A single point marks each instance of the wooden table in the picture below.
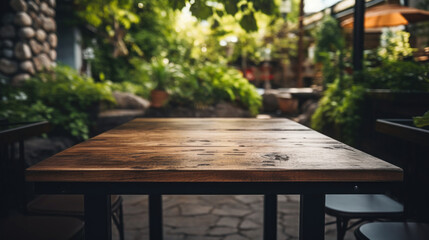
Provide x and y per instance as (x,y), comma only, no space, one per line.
(212,156)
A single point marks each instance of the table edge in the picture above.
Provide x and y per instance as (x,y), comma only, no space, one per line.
(341,175)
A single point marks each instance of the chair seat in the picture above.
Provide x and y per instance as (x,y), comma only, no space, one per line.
(41,228)
(62,205)
(393,231)
(362,205)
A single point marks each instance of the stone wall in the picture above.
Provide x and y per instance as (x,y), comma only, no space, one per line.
(27,39)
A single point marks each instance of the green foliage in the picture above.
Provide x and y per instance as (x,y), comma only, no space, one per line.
(131,87)
(340,110)
(330,45)
(166,48)
(67,99)
(231,7)
(397,75)
(422,121)
(199,85)
(200,10)
(209,83)
(395,45)
(160,72)
(107,12)
(242,11)
(248,22)
(329,37)
(15,106)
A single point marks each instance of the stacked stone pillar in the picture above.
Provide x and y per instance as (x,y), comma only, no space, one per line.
(27,39)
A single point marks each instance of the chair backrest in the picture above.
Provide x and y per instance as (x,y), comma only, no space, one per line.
(13,187)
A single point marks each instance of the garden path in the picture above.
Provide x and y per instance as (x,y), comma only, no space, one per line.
(217,217)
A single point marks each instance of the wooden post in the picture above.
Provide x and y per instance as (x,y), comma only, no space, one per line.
(300,82)
(358,34)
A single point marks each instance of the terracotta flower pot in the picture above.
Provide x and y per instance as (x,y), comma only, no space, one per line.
(287,104)
(158,98)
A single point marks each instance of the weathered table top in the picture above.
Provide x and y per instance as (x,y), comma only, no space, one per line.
(212,150)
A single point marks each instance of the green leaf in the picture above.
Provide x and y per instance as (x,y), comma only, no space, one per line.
(422,121)
(200,10)
(219,13)
(231,7)
(248,22)
(215,24)
(266,6)
(244,7)
(177,4)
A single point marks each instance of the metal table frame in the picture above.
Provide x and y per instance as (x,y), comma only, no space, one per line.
(312,214)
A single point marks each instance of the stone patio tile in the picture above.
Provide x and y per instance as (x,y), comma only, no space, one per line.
(174,236)
(290,220)
(228,221)
(167,204)
(280,234)
(135,235)
(203,220)
(201,230)
(218,199)
(223,217)
(291,225)
(171,212)
(293,198)
(256,216)
(194,209)
(288,207)
(257,206)
(131,199)
(134,208)
(231,212)
(221,231)
(183,198)
(252,234)
(249,198)
(202,238)
(248,224)
(235,237)
(282,198)
(135,222)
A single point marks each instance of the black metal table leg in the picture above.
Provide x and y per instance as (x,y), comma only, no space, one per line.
(312,217)
(155,217)
(98,216)
(270,216)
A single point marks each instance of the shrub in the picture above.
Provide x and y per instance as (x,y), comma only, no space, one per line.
(397,75)
(71,100)
(197,85)
(15,106)
(211,83)
(340,110)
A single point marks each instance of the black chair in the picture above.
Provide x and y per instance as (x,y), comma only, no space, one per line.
(13,224)
(73,206)
(393,231)
(364,207)
(20,227)
(49,205)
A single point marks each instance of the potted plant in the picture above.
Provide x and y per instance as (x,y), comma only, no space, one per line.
(161,75)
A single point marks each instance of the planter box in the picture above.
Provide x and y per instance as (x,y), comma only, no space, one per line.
(403,129)
(389,104)
(386,104)
(414,144)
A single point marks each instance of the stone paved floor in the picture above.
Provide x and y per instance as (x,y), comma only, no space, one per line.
(219,217)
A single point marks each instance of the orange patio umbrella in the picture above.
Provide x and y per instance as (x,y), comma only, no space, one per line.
(389,15)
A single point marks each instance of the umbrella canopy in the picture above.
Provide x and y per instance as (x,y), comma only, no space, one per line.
(389,15)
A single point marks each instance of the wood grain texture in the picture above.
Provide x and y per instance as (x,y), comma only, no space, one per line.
(212,150)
